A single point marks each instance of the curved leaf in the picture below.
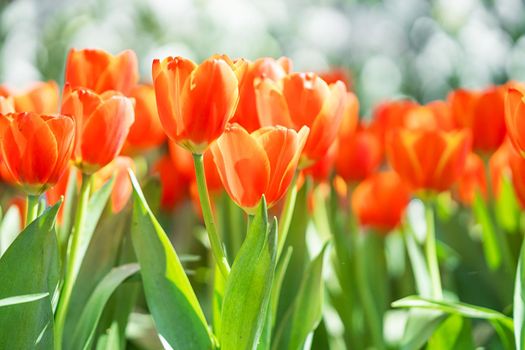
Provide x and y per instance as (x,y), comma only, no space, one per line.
(21,299)
(170,297)
(87,324)
(30,266)
(519,301)
(249,285)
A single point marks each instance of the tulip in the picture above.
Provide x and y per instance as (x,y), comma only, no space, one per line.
(517,166)
(146,132)
(435,115)
(390,197)
(473,179)
(41,98)
(257,164)
(266,67)
(102,123)
(7,105)
(358,155)
(36,148)
(174,186)
(483,113)
(390,115)
(100,71)
(515,118)
(321,170)
(196,102)
(336,74)
(429,159)
(303,99)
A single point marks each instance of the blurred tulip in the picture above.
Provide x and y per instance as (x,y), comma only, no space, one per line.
(196,102)
(122,188)
(304,99)
(36,148)
(7,105)
(320,171)
(146,132)
(174,184)
(433,116)
(389,115)
(515,118)
(379,202)
(517,166)
(483,112)
(429,159)
(358,155)
(266,67)
(102,125)
(473,179)
(101,71)
(41,98)
(263,162)
(336,74)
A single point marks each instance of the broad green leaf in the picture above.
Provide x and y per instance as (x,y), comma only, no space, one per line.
(170,297)
(418,264)
(9,228)
(491,245)
(454,333)
(457,308)
(420,326)
(519,301)
(21,299)
(219,285)
(85,328)
(249,285)
(30,266)
(306,313)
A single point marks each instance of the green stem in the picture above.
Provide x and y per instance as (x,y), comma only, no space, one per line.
(73,261)
(365,292)
(431,252)
(32,208)
(215,242)
(286,215)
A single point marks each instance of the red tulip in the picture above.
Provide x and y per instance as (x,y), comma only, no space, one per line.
(102,123)
(380,201)
(256,164)
(473,179)
(303,99)
(196,102)
(36,148)
(100,71)
(266,67)
(429,159)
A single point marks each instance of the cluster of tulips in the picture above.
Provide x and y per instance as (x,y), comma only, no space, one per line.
(331,254)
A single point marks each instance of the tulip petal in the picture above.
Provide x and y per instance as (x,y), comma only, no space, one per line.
(243,166)
(271,104)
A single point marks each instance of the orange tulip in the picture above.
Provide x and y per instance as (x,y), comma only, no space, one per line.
(379,202)
(146,132)
(517,166)
(429,159)
(41,98)
(483,113)
(473,179)
(36,148)
(515,118)
(321,170)
(196,102)
(102,123)
(122,188)
(100,71)
(263,162)
(435,115)
(174,184)
(303,99)
(390,115)
(7,105)
(358,155)
(266,67)
(336,74)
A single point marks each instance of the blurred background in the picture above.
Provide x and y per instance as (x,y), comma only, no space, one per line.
(391,48)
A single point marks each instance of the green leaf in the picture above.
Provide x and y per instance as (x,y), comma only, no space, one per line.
(249,285)
(418,263)
(9,228)
(420,326)
(519,301)
(219,284)
(457,308)
(87,324)
(491,245)
(454,333)
(306,313)
(170,297)
(21,299)
(30,266)
(507,208)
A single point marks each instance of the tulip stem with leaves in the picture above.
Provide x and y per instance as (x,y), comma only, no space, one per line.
(211,228)
(32,208)
(74,260)
(431,252)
